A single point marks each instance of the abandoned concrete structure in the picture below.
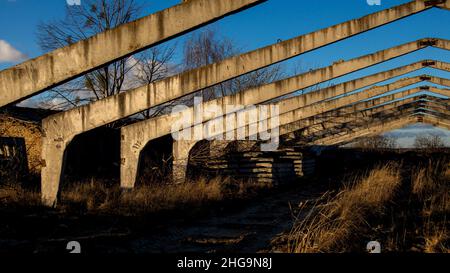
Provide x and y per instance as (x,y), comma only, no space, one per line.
(328,116)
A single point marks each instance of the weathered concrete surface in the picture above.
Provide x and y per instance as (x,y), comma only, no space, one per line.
(144,131)
(181,151)
(61,65)
(355,127)
(140,99)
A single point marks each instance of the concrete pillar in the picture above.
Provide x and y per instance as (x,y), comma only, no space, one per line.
(181,149)
(129,163)
(53,160)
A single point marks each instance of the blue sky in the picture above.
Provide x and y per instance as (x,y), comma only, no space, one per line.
(264,25)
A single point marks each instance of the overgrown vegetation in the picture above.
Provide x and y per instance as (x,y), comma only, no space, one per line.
(403,211)
(333,221)
(98,197)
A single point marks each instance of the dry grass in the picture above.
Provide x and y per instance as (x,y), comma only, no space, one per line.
(431,188)
(97,197)
(402,216)
(17,195)
(328,226)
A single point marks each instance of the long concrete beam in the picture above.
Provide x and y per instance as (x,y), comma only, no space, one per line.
(439,121)
(110,109)
(428,119)
(312,110)
(183,147)
(374,129)
(64,64)
(389,87)
(443,104)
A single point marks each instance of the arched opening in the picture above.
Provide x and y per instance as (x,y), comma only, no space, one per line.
(155,162)
(94,154)
(199,156)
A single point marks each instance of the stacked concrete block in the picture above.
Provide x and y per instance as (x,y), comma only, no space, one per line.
(271,168)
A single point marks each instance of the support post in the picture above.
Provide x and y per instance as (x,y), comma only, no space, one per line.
(181,149)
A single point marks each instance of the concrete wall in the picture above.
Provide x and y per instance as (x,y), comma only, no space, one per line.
(66,63)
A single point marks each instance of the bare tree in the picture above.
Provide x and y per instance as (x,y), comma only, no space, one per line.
(84,21)
(207,47)
(376,142)
(428,142)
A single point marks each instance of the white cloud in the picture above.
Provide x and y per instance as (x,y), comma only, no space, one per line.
(9,53)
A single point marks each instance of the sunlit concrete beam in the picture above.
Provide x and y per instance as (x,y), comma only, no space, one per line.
(63,64)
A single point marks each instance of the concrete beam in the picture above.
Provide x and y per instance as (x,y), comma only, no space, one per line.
(64,64)
(137,100)
(335,113)
(436,121)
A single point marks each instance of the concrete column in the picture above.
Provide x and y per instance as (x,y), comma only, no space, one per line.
(181,149)
(53,160)
(129,162)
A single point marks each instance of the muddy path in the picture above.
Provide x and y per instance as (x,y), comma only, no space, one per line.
(247,230)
